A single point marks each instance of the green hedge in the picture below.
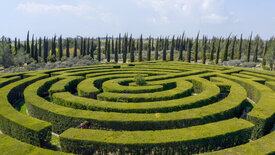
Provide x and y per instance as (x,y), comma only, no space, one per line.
(270,84)
(183,88)
(12,146)
(264,145)
(67,84)
(208,94)
(16,124)
(195,139)
(63,118)
(263,114)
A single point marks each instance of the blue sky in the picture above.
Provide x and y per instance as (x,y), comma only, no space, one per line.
(149,17)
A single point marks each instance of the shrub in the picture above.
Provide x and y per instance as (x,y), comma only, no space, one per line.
(139,79)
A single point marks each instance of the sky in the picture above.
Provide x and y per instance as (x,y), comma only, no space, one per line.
(92,18)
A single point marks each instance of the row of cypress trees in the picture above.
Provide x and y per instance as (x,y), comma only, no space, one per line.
(209,49)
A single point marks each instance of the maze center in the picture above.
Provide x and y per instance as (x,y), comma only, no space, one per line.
(181,108)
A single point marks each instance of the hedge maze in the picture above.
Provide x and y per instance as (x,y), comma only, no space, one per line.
(182,109)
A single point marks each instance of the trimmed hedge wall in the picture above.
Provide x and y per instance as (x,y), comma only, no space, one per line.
(12,146)
(211,136)
(17,125)
(208,94)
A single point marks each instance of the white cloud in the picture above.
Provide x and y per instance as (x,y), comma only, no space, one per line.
(85,11)
(206,11)
(36,8)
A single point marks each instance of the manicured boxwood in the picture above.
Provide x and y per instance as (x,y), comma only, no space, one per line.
(195,139)
(63,118)
(208,93)
(270,84)
(12,146)
(263,114)
(66,84)
(183,88)
(16,124)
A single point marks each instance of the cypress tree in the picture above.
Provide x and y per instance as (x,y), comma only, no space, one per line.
(204,44)
(157,50)
(264,53)
(75,47)
(172,49)
(46,50)
(125,41)
(189,47)
(116,51)
(196,48)
(149,49)
(108,50)
(28,42)
(40,47)
(99,49)
(15,45)
(54,46)
(68,48)
(113,48)
(255,57)
(88,46)
(132,54)
(84,46)
(181,47)
(140,49)
(92,49)
(164,49)
(233,48)
(212,49)
(36,51)
(32,47)
(19,44)
(249,49)
(106,44)
(225,53)
(240,47)
(81,46)
(60,49)
(119,44)
(218,51)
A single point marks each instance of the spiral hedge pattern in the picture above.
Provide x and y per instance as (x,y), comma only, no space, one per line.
(183,109)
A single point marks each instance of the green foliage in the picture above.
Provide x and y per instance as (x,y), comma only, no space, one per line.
(139,79)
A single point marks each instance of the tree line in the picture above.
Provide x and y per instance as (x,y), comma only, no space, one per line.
(200,49)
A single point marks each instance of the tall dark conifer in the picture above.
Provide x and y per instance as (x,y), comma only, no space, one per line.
(36,51)
(119,44)
(98,49)
(32,47)
(113,48)
(54,46)
(218,51)
(255,57)
(108,50)
(189,48)
(196,48)
(212,49)
(204,44)
(181,46)
(164,49)
(67,48)
(125,45)
(149,49)
(233,48)
(40,47)
(240,47)
(157,50)
(60,49)
(140,49)
(226,46)
(19,44)
(15,45)
(116,51)
(75,47)
(131,50)
(172,49)
(248,51)
(88,47)
(92,48)
(84,46)
(28,42)
(264,53)
(46,49)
